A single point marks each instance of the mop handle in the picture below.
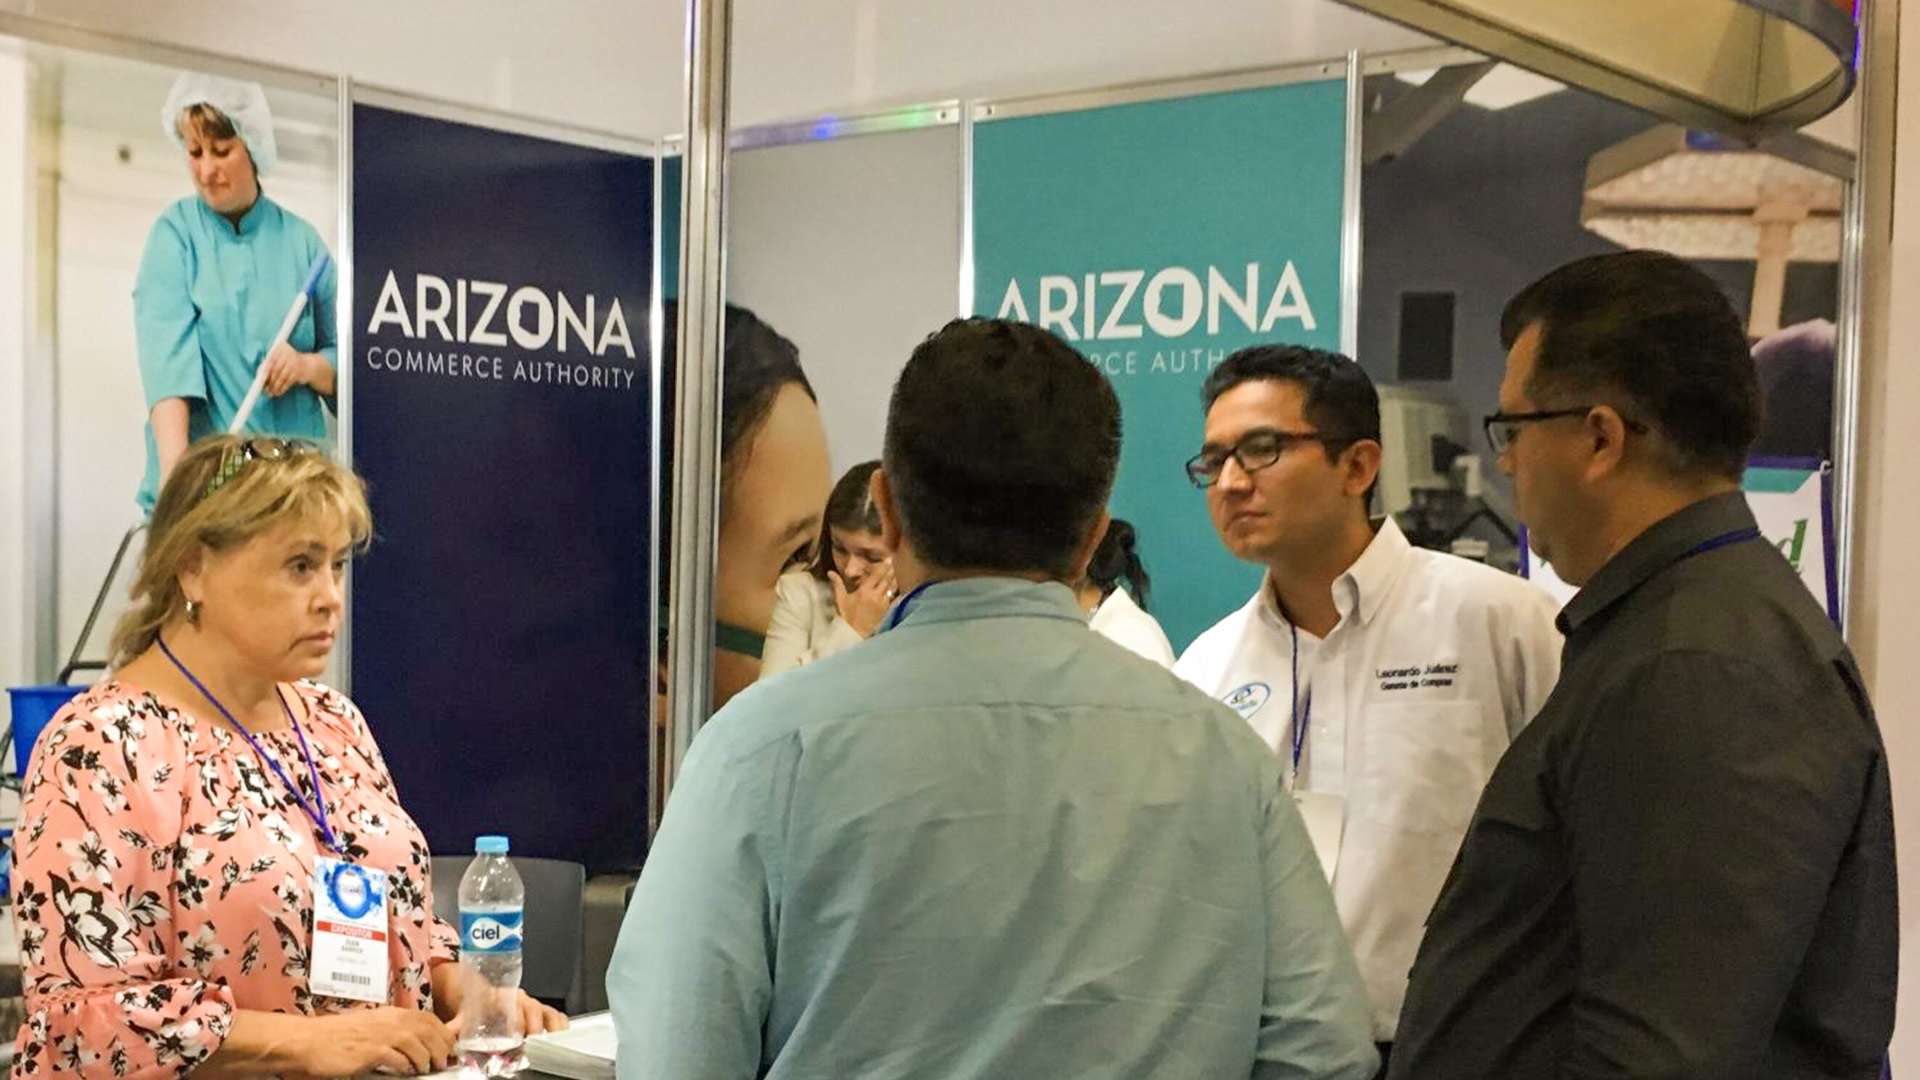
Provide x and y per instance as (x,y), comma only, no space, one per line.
(286,331)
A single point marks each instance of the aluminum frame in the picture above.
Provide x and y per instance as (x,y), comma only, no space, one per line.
(1849,356)
(963,112)
(1350,207)
(656,341)
(101,43)
(500,120)
(965,297)
(828,128)
(1845,438)
(698,373)
(1012,108)
(342,660)
(41,339)
(1220,82)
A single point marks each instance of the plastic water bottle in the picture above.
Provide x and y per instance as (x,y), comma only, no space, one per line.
(492,900)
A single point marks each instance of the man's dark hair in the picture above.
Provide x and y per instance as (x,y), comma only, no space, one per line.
(1653,336)
(1339,398)
(1001,447)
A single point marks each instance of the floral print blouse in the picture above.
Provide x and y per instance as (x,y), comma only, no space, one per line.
(164,879)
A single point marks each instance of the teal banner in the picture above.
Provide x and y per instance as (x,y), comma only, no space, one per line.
(1158,238)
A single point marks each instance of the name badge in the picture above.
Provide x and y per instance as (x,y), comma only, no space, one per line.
(349,932)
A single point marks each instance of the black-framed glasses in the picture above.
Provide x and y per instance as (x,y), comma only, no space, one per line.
(256,449)
(1255,451)
(1502,427)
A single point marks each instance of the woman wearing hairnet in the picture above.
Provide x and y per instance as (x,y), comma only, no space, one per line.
(221,269)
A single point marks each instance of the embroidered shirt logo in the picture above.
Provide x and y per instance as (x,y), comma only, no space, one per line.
(1248,699)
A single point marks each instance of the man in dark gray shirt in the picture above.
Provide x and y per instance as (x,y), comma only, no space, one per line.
(1684,867)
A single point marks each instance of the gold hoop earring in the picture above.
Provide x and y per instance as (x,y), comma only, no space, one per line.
(193,613)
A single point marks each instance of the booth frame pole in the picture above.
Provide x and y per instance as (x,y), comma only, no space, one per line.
(1350,208)
(41,344)
(1851,343)
(342,660)
(699,371)
(1846,439)
(656,340)
(965,294)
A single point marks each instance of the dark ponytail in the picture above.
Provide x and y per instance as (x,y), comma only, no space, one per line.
(1116,560)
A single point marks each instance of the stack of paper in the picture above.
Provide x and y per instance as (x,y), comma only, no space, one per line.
(582,1052)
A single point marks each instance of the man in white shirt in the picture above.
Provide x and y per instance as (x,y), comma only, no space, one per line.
(1388,678)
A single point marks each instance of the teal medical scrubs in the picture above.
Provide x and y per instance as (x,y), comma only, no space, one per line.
(208,301)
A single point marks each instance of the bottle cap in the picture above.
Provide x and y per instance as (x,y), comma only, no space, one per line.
(489,845)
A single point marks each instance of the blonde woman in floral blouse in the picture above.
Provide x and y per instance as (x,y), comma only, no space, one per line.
(182,818)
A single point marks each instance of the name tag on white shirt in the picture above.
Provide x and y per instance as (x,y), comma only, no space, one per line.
(349,932)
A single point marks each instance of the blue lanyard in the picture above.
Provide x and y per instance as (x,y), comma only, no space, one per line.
(317,810)
(1737,536)
(899,610)
(1302,710)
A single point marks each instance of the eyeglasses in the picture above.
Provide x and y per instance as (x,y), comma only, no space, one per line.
(1255,451)
(255,450)
(1503,427)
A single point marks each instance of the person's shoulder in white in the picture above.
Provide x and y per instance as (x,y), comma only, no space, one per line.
(1203,660)
(801,590)
(1121,619)
(914,671)
(1460,585)
(801,627)
(1465,588)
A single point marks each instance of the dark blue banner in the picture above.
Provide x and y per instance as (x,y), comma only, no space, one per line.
(502,419)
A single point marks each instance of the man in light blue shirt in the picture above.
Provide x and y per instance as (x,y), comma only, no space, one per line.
(987,843)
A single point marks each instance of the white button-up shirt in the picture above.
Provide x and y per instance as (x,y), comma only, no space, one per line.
(1436,664)
(1120,619)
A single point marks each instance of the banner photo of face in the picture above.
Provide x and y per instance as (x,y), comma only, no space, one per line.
(1158,238)
(502,417)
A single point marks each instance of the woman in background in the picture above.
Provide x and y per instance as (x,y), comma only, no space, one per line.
(220,270)
(837,601)
(182,820)
(1118,616)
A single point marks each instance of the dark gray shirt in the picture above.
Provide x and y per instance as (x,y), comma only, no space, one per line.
(1684,867)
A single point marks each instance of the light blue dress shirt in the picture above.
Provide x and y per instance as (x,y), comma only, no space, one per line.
(206,305)
(989,843)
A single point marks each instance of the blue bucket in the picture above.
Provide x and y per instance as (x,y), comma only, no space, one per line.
(33,708)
